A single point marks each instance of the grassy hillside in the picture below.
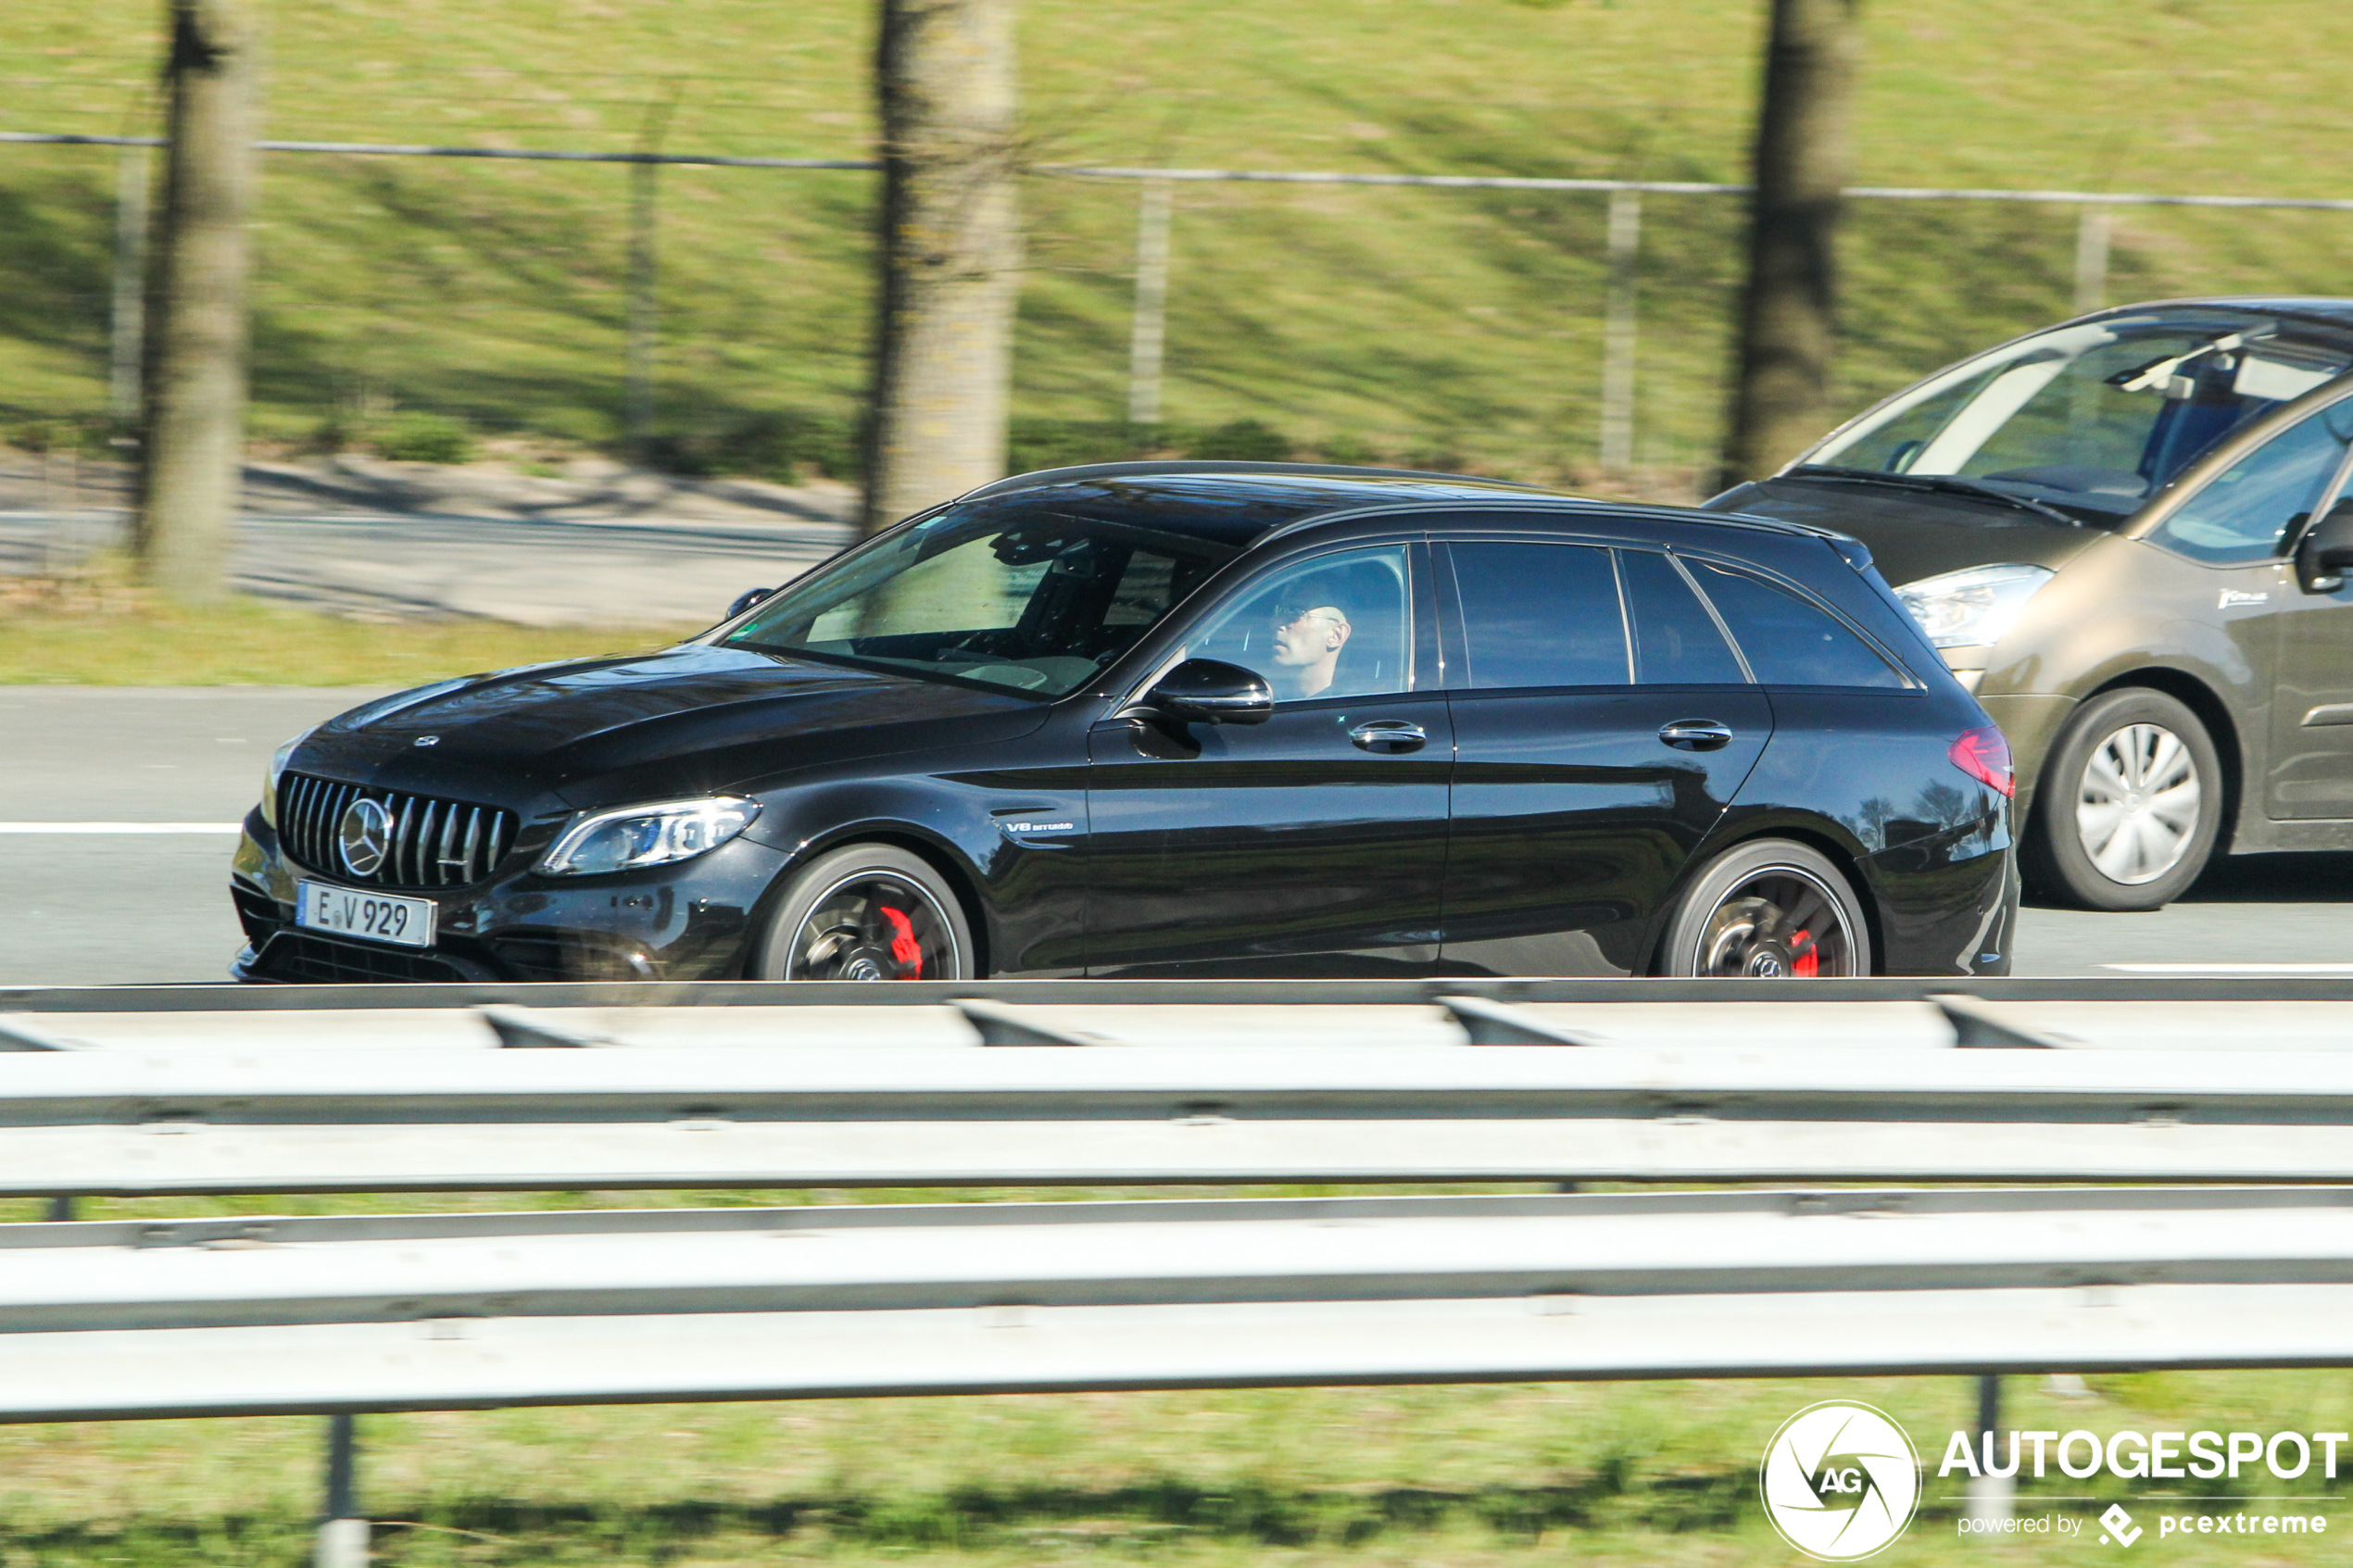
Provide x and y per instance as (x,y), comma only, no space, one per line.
(1456,326)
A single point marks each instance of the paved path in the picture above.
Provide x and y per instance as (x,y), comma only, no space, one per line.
(390,540)
(110,907)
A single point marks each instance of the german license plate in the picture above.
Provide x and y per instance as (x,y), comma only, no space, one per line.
(377,917)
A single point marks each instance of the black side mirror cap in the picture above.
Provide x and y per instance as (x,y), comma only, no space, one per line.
(2325,553)
(1210,691)
(745,601)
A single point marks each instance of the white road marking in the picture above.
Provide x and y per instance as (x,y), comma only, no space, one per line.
(119,827)
(2232,968)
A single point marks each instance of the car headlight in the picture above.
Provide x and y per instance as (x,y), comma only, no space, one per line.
(278,761)
(1959,609)
(647,835)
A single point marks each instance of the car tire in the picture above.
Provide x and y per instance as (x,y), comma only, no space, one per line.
(867,911)
(1735,919)
(2111,827)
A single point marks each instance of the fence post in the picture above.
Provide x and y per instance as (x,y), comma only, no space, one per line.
(645,193)
(2091,259)
(1148,326)
(1989,1496)
(342,1532)
(129,327)
(1617,332)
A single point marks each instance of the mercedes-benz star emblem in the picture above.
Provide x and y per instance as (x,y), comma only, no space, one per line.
(363,836)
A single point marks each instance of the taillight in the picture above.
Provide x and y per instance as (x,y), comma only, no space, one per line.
(1984,756)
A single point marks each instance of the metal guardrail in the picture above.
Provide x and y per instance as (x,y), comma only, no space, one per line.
(223,1317)
(203,1089)
(839,1097)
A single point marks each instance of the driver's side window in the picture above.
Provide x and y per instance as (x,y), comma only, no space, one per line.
(1331,626)
(2245,512)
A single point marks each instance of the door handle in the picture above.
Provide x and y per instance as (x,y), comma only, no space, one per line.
(1696,734)
(1388,735)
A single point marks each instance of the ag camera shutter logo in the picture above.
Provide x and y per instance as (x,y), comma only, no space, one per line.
(1840,1481)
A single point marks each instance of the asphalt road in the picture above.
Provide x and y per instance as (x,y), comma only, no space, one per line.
(87,898)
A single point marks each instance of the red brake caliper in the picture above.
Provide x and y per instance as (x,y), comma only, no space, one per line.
(908,953)
(1804,957)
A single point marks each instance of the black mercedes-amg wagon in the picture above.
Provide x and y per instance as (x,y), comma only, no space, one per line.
(1185,720)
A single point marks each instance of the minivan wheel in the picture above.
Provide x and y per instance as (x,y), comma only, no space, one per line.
(1767,909)
(865,912)
(2129,804)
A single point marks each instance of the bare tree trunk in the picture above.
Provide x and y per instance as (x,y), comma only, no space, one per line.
(949,252)
(1780,396)
(196,359)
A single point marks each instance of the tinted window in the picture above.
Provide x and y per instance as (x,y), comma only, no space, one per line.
(2244,510)
(1675,641)
(1540,615)
(1030,601)
(1330,626)
(1788,641)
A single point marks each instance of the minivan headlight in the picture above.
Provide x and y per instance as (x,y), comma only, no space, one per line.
(1959,609)
(631,836)
(276,771)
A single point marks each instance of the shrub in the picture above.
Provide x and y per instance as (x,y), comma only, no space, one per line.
(425,438)
(782,445)
(1059,444)
(1244,441)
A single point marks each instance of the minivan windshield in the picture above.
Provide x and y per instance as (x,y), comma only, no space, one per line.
(1029,601)
(2093,418)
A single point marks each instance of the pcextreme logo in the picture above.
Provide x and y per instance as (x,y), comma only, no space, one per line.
(1840,1481)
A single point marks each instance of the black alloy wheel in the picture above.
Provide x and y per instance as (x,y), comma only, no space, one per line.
(867,913)
(1769,910)
(2128,805)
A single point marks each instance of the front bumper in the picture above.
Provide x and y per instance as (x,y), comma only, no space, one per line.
(692,921)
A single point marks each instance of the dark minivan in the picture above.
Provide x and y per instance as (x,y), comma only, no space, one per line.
(1186,720)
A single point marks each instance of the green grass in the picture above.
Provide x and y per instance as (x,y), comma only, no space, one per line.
(1648,1473)
(1408,324)
(113,637)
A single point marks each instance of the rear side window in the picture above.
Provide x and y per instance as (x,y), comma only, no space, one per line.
(1677,643)
(1790,642)
(1540,615)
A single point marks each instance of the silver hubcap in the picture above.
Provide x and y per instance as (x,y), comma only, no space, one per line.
(2137,808)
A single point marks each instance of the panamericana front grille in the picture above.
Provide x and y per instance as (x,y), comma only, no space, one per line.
(431,842)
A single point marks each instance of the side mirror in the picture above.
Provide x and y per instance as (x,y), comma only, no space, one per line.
(1210,691)
(2325,553)
(745,601)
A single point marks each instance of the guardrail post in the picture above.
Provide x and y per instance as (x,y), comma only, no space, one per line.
(342,1532)
(1989,1496)
(60,1210)
(1148,329)
(1618,333)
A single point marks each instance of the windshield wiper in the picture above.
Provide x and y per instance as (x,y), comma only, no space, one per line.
(1950,484)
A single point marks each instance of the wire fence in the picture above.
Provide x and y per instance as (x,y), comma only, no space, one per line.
(1616,375)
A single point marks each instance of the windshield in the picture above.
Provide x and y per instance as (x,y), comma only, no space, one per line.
(1032,601)
(2093,418)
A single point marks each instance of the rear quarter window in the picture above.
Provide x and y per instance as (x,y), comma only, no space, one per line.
(1790,640)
